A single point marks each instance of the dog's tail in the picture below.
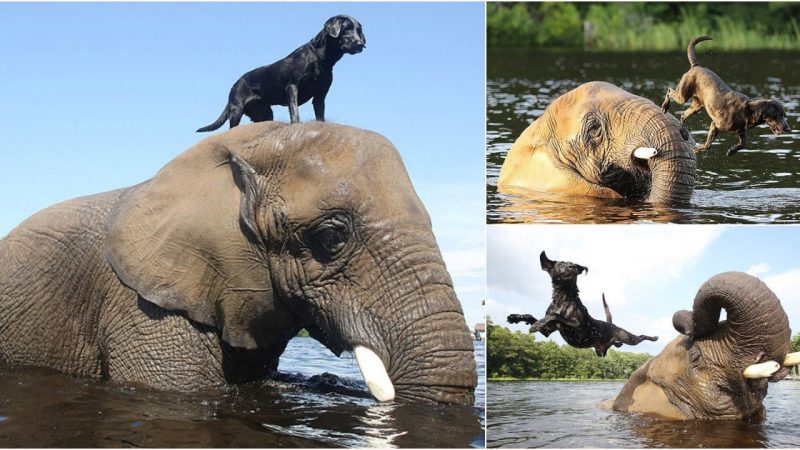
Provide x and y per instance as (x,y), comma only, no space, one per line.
(217,123)
(608,312)
(690,50)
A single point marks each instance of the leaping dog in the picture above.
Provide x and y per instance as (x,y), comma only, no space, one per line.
(729,110)
(568,314)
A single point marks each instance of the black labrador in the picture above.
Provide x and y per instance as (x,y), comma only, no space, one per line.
(306,73)
(729,110)
(568,314)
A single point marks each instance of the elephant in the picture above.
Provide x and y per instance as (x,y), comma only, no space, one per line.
(200,276)
(705,373)
(598,140)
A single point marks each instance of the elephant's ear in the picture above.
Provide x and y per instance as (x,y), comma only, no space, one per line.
(187,240)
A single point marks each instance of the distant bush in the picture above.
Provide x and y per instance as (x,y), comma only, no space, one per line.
(509,25)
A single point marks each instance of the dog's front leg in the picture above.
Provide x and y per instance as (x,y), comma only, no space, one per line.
(319,97)
(319,108)
(739,145)
(291,101)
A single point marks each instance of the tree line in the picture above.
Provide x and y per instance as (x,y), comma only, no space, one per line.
(643,26)
(518,355)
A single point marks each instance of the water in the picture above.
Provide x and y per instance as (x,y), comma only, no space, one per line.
(566,415)
(44,409)
(760,184)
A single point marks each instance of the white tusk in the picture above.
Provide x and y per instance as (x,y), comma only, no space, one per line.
(374,373)
(792,359)
(762,370)
(645,152)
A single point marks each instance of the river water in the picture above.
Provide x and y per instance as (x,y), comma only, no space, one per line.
(566,415)
(760,184)
(45,409)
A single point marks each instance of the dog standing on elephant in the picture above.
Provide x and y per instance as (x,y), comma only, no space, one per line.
(729,110)
(306,73)
(569,315)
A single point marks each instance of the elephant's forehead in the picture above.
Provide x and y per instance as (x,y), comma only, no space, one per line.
(362,172)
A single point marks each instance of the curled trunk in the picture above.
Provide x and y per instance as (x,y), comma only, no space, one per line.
(756,321)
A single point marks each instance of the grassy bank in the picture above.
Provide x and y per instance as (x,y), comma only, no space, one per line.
(644,26)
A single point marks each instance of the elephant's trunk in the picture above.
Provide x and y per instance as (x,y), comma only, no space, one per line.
(435,356)
(756,321)
(674,168)
(410,338)
(440,363)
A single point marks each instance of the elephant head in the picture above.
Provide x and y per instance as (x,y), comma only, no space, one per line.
(601,141)
(268,228)
(699,375)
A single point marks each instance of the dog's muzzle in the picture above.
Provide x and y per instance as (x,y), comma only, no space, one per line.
(778,128)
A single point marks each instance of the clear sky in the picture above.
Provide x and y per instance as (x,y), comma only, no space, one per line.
(99,96)
(647,272)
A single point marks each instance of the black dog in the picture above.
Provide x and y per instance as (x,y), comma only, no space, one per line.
(729,110)
(307,72)
(568,315)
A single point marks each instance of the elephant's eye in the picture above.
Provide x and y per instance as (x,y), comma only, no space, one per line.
(593,130)
(330,238)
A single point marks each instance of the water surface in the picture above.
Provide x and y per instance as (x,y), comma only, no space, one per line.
(566,415)
(760,184)
(44,409)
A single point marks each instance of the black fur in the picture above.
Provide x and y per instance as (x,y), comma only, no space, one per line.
(568,315)
(306,73)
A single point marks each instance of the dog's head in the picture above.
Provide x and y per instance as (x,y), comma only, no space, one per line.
(562,272)
(347,32)
(601,348)
(773,114)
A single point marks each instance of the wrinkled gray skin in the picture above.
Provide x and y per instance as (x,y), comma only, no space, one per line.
(699,374)
(201,275)
(584,142)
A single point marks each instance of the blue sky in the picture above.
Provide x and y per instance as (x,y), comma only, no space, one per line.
(647,272)
(99,96)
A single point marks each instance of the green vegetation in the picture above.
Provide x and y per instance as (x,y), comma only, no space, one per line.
(627,26)
(796,343)
(303,333)
(517,356)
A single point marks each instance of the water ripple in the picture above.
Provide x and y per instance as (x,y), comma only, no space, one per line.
(760,184)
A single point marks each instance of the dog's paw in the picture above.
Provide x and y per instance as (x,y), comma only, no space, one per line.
(732,151)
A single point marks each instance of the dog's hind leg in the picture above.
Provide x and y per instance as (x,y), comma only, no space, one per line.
(665,104)
(258,111)
(235,116)
(622,336)
(712,134)
(291,101)
(738,146)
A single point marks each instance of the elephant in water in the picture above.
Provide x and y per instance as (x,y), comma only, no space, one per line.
(601,141)
(201,275)
(715,370)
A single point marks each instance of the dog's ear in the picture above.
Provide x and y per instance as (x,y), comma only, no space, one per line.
(547,265)
(772,108)
(333,26)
